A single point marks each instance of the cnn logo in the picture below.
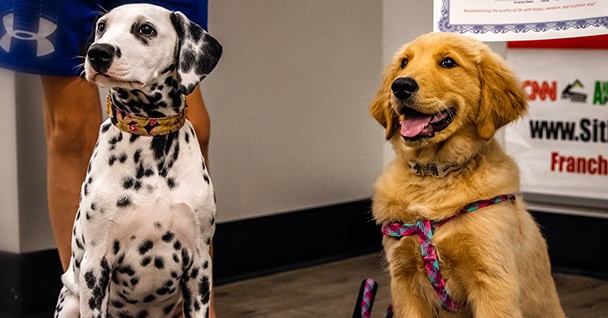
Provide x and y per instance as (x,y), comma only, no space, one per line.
(543,90)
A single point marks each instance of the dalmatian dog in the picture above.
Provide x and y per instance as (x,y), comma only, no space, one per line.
(142,233)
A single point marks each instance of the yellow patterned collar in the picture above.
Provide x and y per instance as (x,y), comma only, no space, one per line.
(145,126)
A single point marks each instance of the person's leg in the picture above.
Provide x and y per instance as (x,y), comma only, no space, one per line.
(72,117)
(199,117)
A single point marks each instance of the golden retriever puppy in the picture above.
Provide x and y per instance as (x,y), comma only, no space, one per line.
(441,101)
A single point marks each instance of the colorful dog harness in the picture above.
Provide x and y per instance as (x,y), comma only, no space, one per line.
(143,125)
(424,230)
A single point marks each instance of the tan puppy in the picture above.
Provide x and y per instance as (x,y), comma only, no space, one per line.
(441,101)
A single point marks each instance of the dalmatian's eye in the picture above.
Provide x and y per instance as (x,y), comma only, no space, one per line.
(101,26)
(147,29)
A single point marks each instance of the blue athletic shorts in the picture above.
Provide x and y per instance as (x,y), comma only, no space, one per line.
(48,37)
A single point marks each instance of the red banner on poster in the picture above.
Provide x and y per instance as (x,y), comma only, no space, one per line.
(598,42)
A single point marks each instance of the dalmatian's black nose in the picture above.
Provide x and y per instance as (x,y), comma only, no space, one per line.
(101,56)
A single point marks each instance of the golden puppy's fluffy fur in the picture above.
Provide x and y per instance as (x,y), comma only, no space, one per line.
(494,259)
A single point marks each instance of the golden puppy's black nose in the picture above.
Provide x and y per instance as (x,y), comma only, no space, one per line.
(404,87)
(101,56)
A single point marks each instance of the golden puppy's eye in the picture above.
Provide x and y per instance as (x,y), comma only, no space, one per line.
(404,62)
(448,62)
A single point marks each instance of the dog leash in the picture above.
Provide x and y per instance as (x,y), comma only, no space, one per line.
(424,229)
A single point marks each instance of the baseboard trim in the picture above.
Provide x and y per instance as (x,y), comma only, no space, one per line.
(29,283)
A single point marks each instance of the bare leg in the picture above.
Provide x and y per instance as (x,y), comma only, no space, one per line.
(72,117)
(199,118)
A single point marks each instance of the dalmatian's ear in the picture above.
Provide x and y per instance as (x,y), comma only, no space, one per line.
(197,52)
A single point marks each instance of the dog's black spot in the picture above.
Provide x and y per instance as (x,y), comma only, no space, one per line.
(145,246)
(116,247)
(187,60)
(128,183)
(146,260)
(168,309)
(93,206)
(175,258)
(89,278)
(121,258)
(149,298)
(213,51)
(206,265)
(116,139)
(118,52)
(126,270)
(112,160)
(185,257)
(177,245)
(159,262)
(142,314)
(171,183)
(123,202)
(105,127)
(133,138)
(187,137)
(122,158)
(134,281)
(137,185)
(117,304)
(206,177)
(196,32)
(203,289)
(194,273)
(158,225)
(168,237)
(79,244)
(137,155)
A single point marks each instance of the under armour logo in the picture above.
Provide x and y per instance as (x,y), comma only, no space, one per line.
(45,29)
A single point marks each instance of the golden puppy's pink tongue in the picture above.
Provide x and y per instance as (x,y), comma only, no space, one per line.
(414,124)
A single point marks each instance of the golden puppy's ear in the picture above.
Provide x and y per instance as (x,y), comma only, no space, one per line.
(502,95)
(381,107)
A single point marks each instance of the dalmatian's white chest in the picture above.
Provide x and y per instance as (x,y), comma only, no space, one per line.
(148,207)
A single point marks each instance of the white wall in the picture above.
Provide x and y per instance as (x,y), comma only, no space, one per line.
(9,211)
(289,104)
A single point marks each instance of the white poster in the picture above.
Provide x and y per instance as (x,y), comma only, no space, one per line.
(512,20)
(561,147)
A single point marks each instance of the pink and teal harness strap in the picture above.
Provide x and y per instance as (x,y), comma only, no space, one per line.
(424,229)
(365,301)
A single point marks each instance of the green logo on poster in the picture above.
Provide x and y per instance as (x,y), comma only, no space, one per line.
(600,94)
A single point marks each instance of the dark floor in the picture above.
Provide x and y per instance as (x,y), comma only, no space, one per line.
(330,290)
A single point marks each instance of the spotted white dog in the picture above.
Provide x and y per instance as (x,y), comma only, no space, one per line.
(141,238)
